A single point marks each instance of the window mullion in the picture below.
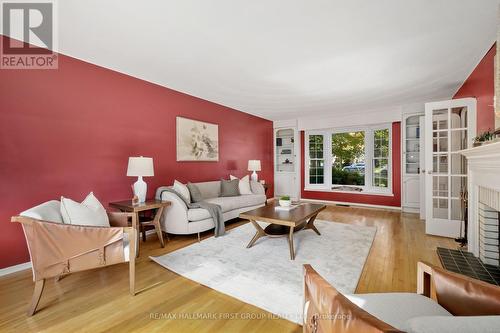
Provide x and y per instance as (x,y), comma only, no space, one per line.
(327,154)
(369,144)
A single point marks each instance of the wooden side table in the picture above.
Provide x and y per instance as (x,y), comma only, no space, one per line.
(127,206)
(266,187)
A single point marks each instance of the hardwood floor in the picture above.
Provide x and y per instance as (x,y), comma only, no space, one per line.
(98,301)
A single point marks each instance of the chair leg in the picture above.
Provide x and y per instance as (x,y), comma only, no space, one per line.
(131,266)
(37,294)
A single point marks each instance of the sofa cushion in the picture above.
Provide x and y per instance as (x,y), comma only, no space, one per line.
(194,192)
(89,212)
(397,308)
(257,187)
(230,203)
(227,204)
(182,190)
(197,214)
(229,188)
(243,184)
(455,324)
(209,189)
(48,211)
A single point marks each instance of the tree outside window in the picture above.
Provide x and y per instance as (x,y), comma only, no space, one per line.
(348,158)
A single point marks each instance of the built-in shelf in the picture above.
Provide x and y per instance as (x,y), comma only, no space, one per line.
(286,139)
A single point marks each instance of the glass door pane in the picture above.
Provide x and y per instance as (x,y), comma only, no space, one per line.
(449,168)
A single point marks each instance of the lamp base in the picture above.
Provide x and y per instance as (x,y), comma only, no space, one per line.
(254,176)
(140,189)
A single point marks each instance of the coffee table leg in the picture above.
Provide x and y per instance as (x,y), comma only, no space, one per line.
(290,244)
(260,232)
(310,224)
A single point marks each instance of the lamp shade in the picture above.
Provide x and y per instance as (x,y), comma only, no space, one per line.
(140,167)
(254,165)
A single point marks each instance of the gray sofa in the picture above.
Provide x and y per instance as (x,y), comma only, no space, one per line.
(178,219)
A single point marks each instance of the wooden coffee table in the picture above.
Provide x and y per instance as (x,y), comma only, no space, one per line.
(283,222)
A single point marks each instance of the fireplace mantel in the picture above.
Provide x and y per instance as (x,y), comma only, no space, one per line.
(483,165)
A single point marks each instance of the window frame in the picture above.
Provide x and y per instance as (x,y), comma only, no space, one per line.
(307,160)
(368,188)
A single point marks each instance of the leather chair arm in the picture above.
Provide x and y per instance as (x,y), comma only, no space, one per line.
(327,310)
(459,294)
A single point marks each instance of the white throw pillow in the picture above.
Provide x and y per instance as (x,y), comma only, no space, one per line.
(182,190)
(89,212)
(243,185)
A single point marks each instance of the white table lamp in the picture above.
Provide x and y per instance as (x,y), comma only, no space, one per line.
(254,165)
(140,167)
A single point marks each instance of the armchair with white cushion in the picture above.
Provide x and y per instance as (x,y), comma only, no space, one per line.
(444,302)
(57,248)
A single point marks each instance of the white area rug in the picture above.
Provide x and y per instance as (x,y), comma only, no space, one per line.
(264,275)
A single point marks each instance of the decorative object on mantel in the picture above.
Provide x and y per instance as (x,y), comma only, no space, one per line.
(197,140)
(254,165)
(484,138)
(140,167)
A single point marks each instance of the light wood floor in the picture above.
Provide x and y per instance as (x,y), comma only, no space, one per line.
(98,301)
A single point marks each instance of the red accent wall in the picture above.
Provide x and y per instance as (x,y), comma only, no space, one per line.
(481,85)
(363,198)
(70,131)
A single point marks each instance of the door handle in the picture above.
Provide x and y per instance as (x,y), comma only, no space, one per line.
(429,172)
(422,171)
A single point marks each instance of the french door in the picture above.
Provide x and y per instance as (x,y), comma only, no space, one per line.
(450,126)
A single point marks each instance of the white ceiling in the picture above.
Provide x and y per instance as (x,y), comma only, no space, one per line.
(282,59)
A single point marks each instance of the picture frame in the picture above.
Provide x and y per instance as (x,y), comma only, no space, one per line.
(196,140)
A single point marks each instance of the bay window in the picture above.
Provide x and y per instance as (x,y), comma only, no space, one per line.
(353,159)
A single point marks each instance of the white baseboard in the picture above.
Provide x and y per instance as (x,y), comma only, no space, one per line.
(15,268)
(411,210)
(328,202)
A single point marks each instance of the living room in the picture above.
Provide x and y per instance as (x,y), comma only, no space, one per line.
(323,166)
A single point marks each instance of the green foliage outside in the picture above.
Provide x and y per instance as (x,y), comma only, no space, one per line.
(342,177)
(348,148)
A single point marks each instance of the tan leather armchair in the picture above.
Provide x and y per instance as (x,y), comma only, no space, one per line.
(58,249)
(327,310)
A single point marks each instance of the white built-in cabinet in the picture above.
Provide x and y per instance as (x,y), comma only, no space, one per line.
(286,162)
(412,144)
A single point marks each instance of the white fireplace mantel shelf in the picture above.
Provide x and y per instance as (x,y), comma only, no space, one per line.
(491,150)
(483,164)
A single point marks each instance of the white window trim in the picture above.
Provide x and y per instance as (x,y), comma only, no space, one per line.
(325,157)
(327,148)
